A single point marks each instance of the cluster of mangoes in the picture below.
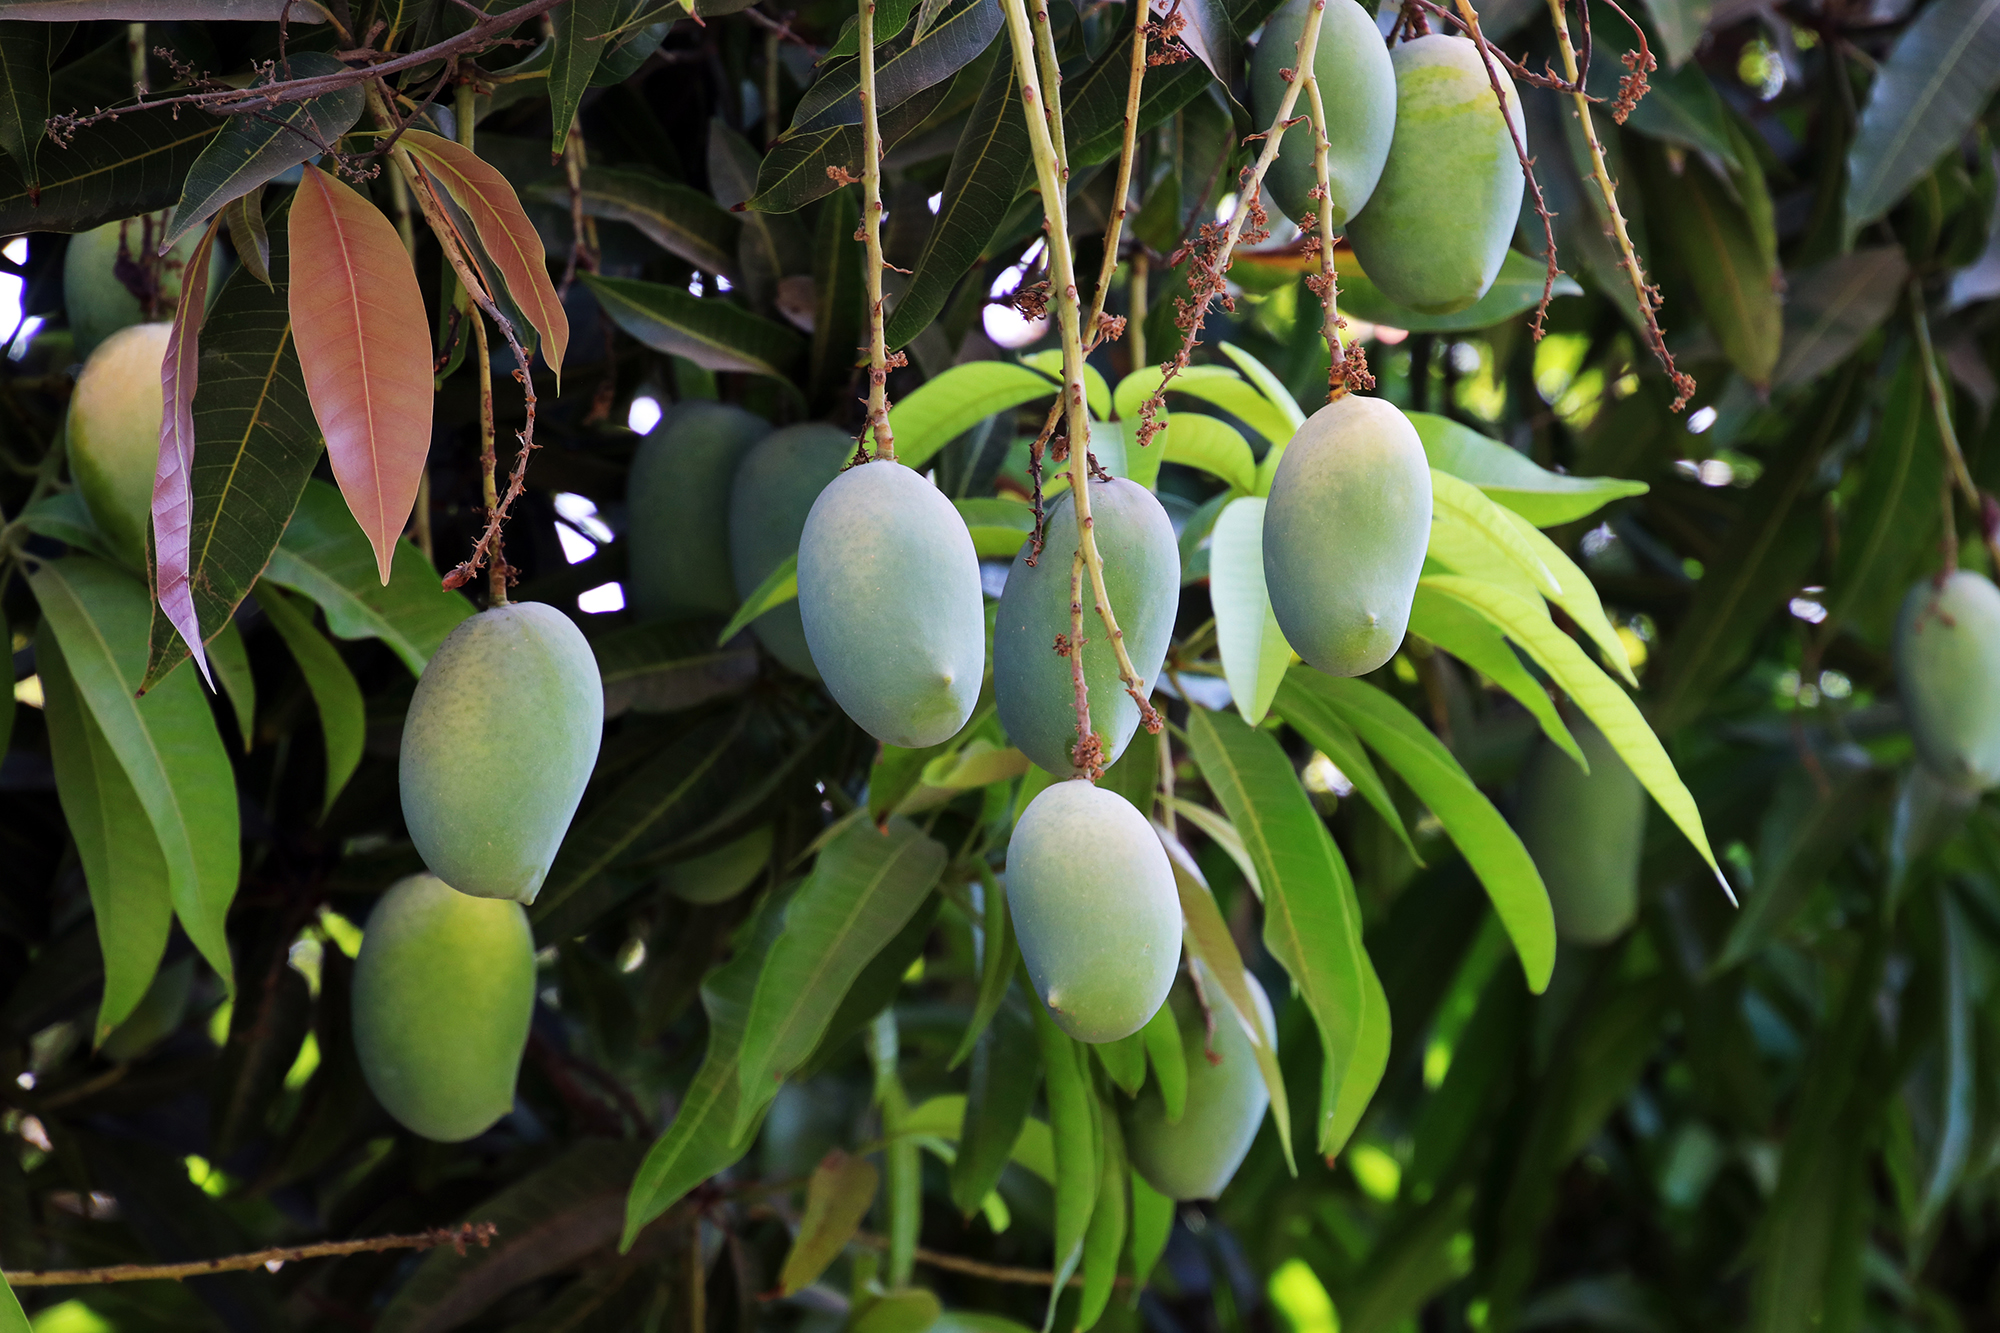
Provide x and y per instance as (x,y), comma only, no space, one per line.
(1423,172)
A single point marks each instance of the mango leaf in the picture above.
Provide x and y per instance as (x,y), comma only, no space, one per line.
(1517,289)
(839,297)
(903,68)
(891,17)
(1006,1069)
(325,556)
(579,28)
(1124,1062)
(1682,107)
(1255,655)
(1802,833)
(343,719)
(164,11)
(1724,251)
(505,234)
(1490,847)
(1073,1125)
(231,660)
(1094,103)
(173,488)
(1600,697)
(25,53)
(1370,1062)
(678,218)
(111,170)
(794,170)
(998,957)
(781,585)
(1467,635)
(1546,499)
(943,408)
(1168,1057)
(1312,923)
(1832,306)
(1209,940)
(1217,386)
(998,527)
(1334,739)
(1939,76)
(365,351)
(838,1196)
(249,235)
(769,246)
(865,884)
(1459,504)
(1893,523)
(666,666)
(701,1140)
(1152,1225)
(1576,595)
(1267,384)
(1104,1240)
(714,333)
(987,170)
(253,148)
(123,867)
(166,742)
(1211,444)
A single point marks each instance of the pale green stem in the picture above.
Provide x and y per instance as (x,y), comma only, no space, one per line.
(1336,346)
(871,227)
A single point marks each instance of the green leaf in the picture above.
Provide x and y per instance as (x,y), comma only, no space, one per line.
(1267,384)
(839,297)
(123,867)
(1254,653)
(988,168)
(579,24)
(1312,923)
(1209,940)
(1939,76)
(998,957)
(667,666)
(778,587)
(702,1139)
(1124,1062)
(111,170)
(1094,102)
(1546,499)
(1516,290)
(946,406)
(864,886)
(343,718)
(1721,246)
(25,52)
(1216,447)
(166,741)
(714,333)
(903,68)
(1576,595)
(678,218)
(1681,107)
(891,17)
(794,171)
(325,556)
(1892,527)
(1832,306)
(1073,1124)
(1152,1225)
(838,1196)
(1096,393)
(998,526)
(1162,1035)
(1490,847)
(769,246)
(1211,384)
(252,149)
(1469,637)
(1006,1069)
(255,445)
(231,661)
(1104,1240)
(1600,697)
(1218,830)
(1804,830)
(1459,504)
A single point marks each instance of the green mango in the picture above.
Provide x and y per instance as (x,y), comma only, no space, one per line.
(677,507)
(1435,231)
(1142,573)
(1948,673)
(444,988)
(97,300)
(1345,532)
(500,739)
(890,600)
(719,875)
(1092,897)
(1195,1157)
(1357,85)
(774,490)
(1585,832)
(114,436)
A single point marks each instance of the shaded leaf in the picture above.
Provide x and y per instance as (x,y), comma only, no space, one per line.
(364,350)
(1073,1126)
(579,24)
(997,961)
(714,333)
(164,11)
(668,666)
(25,53)
(231,660)
(903,67)
(173,485)
(1162,1035)
(1719,245)
(111,170)
(1831,307)
(678,218)
(248,234)
(1006,1069)
(1892,527)
(1104,1241)
(795,166)
(838,1196)
(342,717)
(769,246)
(1546,499)
(839,297)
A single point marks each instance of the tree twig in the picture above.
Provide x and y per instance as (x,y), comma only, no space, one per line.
(1342,375)
(480,1233)
(1959,475)
(871,235)
(1027,1277)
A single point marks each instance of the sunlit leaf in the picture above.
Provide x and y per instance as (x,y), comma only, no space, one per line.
(1253,648)
(1546,499)
(947,405)
(1461,505)
(1577,595)
(780,586)
(1474,641)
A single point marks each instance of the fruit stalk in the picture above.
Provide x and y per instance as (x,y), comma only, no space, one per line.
(871,230)
(1628,256)
(1208,281)
(1043,109)
(1337,383)
(1960,476)
(1094,328)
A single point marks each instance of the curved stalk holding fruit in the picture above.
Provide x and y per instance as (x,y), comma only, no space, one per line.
(1342,377)
(879,360)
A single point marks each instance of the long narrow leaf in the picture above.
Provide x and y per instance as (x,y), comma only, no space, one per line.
(173,478)
(343,717)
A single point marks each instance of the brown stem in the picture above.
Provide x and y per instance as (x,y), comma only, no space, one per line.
(480,1233)
(489,462)
(1027,1277)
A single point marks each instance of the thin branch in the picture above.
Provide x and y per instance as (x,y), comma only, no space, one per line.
(1095,329)
(1343,375)
(480,1233)
(871,234)
(1959,475)
(1027,1277)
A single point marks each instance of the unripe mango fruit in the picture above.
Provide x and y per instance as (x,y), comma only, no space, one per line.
(1948,673)
(775,488)
(677,503)
(1095,910)
(1196,1156)
(444,988)
(114,436)
(890,600)
(1435,231)
(500,739)
(1345,532)
(96,299)
(1357,85)
(1585,832)
(1142,574)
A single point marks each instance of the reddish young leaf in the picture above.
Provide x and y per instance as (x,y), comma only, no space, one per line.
(504,230)
(365,351)
(173,489)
